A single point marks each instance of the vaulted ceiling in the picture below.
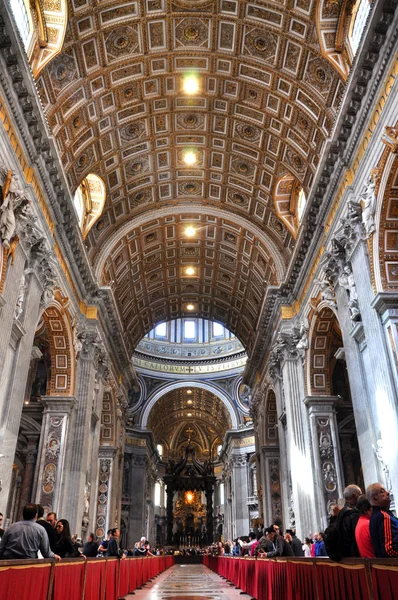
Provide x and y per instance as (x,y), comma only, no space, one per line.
(266,103)
(199,414)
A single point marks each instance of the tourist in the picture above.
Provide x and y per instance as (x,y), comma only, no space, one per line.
(52,536)
(113,545)
(347,521)
(104,544)
(307,547)
(64,545)
(320,548)
(383,524)
(362,530)
(90,548)
(296,543)
(52,519)
(1,525)
(26,538)
(279,546)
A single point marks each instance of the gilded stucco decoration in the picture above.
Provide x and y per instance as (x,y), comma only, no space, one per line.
(266,103)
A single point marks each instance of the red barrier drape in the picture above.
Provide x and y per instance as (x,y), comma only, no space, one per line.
(111,579)
(69,580)
(124,578)
(16,582)
(385,582)
(342,581)
(95,579)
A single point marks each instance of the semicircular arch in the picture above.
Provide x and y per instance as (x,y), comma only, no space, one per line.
(168,387)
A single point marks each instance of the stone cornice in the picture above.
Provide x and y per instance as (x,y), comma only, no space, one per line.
(367,73)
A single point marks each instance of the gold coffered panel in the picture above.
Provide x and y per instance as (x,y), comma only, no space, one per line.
(265,105)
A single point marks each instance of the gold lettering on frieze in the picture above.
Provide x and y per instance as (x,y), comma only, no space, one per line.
(133,441)
(247,441)
(181,369)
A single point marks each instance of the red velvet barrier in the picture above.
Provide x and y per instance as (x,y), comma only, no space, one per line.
(342,581)
(69,580)
(95,579)
(16,582)
(310,579)
(111,578)
(385,582)
(124,578)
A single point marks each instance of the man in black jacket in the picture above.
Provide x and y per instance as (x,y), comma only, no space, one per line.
(296,543)
(347,522)
(279,546)
(52,536)
(113,545)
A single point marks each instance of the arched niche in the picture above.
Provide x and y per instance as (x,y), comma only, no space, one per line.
(325,339)
(386,237)
(63,361)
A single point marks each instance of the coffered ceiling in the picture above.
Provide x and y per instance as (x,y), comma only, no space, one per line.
(201,415)
(266,103)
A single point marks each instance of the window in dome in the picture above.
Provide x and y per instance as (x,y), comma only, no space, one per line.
(301,204)
(189,330)
(21,18)
(218,330)
(161,330)
(221,494)
(360,15)
(159,448)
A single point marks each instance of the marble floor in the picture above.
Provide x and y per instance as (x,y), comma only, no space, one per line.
(188,582)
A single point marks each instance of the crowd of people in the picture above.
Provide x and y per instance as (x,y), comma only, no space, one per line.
(364,527)
(38,537)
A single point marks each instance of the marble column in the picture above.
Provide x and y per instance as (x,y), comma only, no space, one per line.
(104,518)
(385,306)
(272,489)
(329,476)
(137,511)
(300,509)
(54,440)
(13,377)
(239,495)
(169,512)
(80,452)
(29,472)
(373,389)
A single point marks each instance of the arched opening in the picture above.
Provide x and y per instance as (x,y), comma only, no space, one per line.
(290,200)
(359,17)
(328,377)
(42,27)
(89,200)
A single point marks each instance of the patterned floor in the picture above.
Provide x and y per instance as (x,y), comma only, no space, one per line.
(188,582)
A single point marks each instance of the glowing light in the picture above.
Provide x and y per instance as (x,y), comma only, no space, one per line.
(190,231)
(190,307)
(189,391)
(189,414)
(190,271)
(189,401)
(190,84)
(189,497)
(190,157)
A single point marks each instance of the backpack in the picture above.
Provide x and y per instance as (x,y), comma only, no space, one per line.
(334,538)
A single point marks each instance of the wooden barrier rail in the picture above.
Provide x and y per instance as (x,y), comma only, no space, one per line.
(76,578)
(309,578)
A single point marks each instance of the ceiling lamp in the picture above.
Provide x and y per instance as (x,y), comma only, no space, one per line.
(190,231)
(190,84)
(190,158)
(190,307)
(190,271)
